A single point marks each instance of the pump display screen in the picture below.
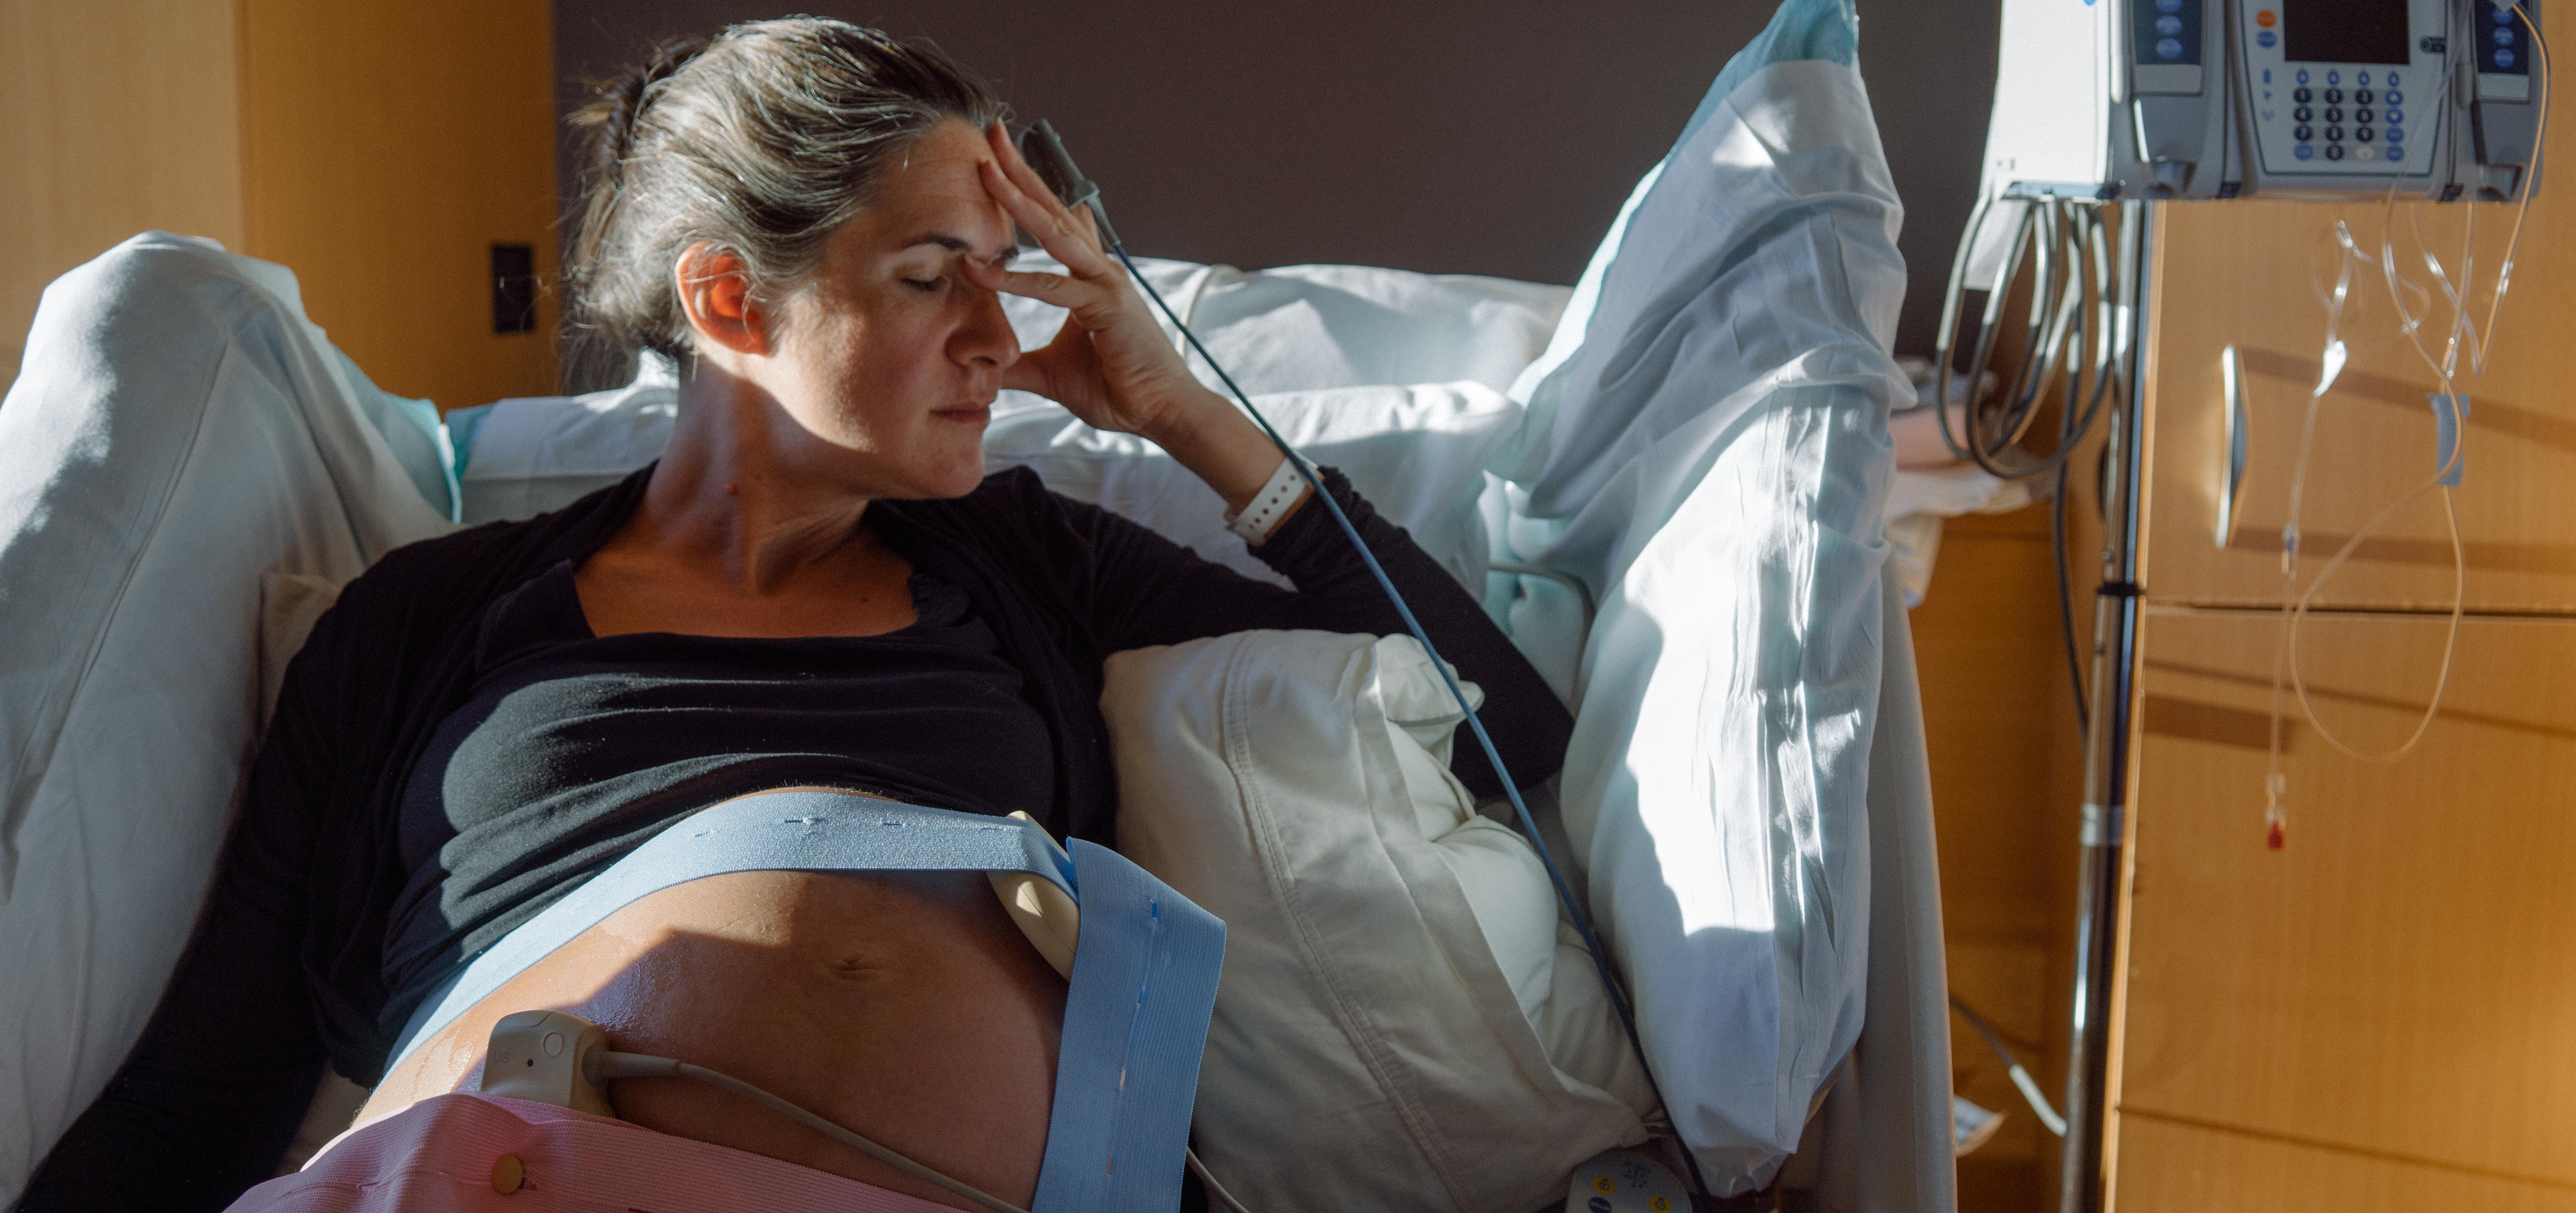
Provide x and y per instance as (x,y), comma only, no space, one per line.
(2344,31)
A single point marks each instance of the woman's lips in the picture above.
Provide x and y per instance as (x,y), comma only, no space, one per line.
(971,414)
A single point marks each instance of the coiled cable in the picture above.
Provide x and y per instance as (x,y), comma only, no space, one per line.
(2072,307)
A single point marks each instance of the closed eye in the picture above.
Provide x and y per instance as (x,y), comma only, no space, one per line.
(923,284)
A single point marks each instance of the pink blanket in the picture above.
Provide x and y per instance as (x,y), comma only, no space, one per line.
(469,1151)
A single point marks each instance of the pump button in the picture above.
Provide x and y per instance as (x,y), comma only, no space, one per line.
(2303,133)
(2303,114)
(2361,116)
(2361,96)
(2334,151)
(2303,151)
(2334,96)
(2394,116)
(2363,134)
(2334,134)
(2393,97)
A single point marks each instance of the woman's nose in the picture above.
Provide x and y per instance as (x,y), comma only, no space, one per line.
(986,337)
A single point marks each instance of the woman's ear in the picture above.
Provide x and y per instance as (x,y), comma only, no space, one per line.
(715,294)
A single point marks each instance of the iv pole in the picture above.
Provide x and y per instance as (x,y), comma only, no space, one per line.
(2106,746)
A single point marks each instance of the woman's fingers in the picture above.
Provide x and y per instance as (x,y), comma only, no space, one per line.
(1059,231)
(1072,294)
(1063,232)
(1021,173)
(1111,364)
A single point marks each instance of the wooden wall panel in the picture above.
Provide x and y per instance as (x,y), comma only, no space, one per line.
(388,147)
(2400,979)
(115,116)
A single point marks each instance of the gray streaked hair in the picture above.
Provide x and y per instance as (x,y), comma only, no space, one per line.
(762,141)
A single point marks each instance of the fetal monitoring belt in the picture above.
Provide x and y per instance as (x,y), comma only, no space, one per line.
(1141,981)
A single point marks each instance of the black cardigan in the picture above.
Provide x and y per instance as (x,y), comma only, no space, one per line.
(286,966)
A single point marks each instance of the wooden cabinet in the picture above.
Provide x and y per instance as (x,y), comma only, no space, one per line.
(2388,1003)
(2252,274)
(379,150)
(2380,1015)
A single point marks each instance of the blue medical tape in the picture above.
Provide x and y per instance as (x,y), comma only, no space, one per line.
(1137,1006)
(2449,413)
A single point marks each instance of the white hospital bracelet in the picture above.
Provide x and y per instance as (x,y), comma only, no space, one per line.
(1269,505)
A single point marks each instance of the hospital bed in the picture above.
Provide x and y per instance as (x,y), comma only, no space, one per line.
(1668,482)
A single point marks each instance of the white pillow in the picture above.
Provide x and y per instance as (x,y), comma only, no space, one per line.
(1402,1023)
(1301,327)
(1417,453)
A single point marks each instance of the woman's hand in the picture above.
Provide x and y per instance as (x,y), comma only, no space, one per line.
(1110,363)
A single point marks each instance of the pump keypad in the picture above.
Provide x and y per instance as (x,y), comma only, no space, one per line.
(2336,118)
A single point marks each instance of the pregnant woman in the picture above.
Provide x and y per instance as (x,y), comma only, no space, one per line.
(817,586)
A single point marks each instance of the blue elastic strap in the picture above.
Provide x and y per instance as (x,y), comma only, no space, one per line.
(1135,1024)
(1145,965)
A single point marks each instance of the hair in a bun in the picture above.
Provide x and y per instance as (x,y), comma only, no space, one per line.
(622,97)
(762,140)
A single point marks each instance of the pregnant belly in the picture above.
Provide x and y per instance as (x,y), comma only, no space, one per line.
(904,1006)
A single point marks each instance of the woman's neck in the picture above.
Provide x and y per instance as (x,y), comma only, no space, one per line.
(739,491)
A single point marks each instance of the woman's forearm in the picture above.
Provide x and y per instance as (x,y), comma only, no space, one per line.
(1213,439)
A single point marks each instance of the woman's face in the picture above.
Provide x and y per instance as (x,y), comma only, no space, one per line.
(891,357)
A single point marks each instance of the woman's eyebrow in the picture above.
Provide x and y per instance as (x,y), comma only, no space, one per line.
(959,244)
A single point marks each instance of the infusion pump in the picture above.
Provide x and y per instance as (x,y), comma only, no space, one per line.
(2109,99)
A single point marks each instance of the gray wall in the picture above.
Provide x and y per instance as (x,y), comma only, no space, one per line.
(1450,136)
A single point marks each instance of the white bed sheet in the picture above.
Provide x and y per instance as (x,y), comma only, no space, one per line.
(181,447)
(1707,450)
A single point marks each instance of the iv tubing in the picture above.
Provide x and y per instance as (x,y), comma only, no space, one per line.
(2479,340)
